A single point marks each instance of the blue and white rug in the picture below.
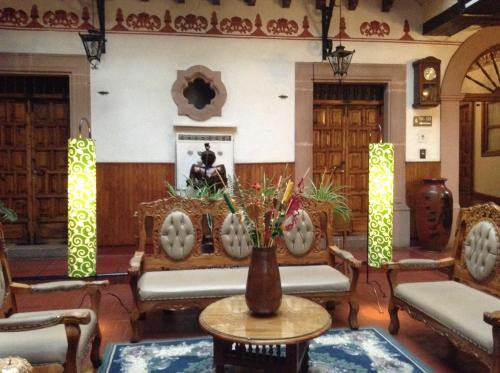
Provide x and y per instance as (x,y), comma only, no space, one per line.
(339,350)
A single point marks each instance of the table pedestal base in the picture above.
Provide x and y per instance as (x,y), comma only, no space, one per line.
(293,358)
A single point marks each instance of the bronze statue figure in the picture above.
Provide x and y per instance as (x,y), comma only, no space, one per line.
(208,174)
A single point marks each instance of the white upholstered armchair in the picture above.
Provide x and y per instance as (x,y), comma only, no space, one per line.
(64,337)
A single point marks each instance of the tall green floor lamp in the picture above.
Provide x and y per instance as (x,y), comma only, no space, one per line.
(82,237)
(380,203)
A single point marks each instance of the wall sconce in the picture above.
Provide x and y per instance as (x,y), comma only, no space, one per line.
(94,41)
(82,237)
(380,203)
(340,58)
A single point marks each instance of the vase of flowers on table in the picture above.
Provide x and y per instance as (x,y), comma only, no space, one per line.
(266,211)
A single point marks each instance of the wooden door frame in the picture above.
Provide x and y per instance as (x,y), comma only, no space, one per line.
(470,102)
(394,77)
(76,67)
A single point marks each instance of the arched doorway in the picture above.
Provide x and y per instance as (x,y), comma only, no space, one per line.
(451,96)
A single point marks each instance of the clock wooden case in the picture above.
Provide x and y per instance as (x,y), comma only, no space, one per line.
(426,79)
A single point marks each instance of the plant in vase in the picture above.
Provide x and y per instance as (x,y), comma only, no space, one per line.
(266,211)
(7,215)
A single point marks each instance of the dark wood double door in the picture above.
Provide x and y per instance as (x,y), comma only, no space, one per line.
(34,130)
(342,132)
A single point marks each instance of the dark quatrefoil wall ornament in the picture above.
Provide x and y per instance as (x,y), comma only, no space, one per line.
(199,93)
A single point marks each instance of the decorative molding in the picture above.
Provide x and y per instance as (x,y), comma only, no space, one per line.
(375,28)
(143,21)
(191,23)
(211,78)
(305,26)
(342,27)
(119,21)
(60,19)
(236,25)
(258,27)
(214,22)
(34,15)
(406,30)
(282,26)
(11,16)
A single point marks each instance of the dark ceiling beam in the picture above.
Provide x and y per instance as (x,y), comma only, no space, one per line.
(387,5)
(320,4)
(215,2)
(352,4)
(456,18)
(181,1)
(285,3)
(250,2)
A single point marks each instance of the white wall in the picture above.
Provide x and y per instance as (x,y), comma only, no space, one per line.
(134,122)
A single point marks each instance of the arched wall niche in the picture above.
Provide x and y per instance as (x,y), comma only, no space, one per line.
(451,96)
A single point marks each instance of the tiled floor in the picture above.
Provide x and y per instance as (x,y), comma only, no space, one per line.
(427,345)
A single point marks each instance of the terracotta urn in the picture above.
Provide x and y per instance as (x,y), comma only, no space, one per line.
(433,214)
(263,291)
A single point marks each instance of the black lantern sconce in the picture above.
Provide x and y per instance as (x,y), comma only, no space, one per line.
(94,41)
(340,58)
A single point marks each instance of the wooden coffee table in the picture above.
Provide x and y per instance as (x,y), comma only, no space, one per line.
(278,343)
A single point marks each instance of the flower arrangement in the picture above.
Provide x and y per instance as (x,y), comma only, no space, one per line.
(265,210)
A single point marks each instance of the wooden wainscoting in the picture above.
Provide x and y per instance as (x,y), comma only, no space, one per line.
(249,173)
(415,172)
(120,188)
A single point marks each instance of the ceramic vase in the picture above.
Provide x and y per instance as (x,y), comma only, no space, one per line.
(263,292)
(433,214)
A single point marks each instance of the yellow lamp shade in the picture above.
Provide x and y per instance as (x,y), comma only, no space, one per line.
(82,237)
(380,203)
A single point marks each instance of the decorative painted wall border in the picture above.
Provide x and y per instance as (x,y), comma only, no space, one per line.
(199,25)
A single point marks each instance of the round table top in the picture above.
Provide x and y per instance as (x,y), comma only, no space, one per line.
(297,320)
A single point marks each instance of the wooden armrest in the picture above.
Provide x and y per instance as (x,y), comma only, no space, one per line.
(136,262)
(20,324)
(492,318)
(346,256)
(419,264)
(47,287)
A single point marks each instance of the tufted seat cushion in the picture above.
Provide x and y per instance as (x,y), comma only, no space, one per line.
(455,305)
(177,236)
(45,346)
(234,237)
(222,282)
(481,248)
(299,239)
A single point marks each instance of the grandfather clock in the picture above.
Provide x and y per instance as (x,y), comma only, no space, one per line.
(426,79)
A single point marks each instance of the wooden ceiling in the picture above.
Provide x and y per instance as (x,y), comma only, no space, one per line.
(385,5)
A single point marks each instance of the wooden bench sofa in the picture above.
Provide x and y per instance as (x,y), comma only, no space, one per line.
(177,275)
(465,308)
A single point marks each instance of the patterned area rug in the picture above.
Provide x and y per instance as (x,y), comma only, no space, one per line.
(339,350)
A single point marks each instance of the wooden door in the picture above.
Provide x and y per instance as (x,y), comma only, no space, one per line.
(34,128)
(466,148)
(342,133)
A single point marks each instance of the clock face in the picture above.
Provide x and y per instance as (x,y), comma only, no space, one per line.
(429,73)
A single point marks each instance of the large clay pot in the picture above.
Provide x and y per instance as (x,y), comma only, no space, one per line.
(263,292)
(433,214)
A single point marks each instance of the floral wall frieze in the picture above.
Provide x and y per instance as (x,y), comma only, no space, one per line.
(375,28)
(213,24)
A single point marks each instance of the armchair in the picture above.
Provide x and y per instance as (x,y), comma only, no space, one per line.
(466,307)
(48,337)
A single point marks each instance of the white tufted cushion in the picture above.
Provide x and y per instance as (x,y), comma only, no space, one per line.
(299,239)
(481,248)
(177,236)
(234,237)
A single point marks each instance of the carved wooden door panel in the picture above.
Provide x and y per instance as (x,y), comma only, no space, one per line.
(340,150)
(466,148)
(50,119)
(14,166)
(34,128)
